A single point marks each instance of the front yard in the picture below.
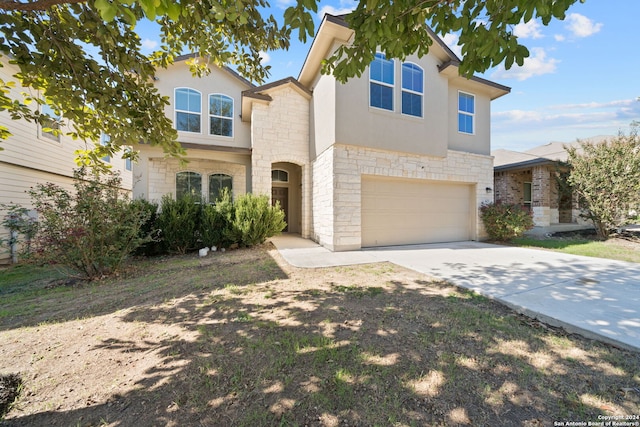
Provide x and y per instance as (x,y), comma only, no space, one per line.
(243,339)
(618,248)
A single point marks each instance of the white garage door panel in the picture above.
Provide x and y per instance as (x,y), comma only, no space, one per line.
(399,211)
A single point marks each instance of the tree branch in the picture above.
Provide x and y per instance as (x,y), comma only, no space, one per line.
(11,5)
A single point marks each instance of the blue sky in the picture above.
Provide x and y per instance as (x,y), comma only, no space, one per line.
(581,80)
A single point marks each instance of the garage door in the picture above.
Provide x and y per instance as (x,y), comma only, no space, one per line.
(401,211)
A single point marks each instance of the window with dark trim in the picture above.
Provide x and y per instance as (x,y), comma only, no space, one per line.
(188,184)
(217,183)
(279,175)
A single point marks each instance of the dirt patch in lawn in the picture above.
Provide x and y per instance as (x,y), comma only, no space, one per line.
(244,339)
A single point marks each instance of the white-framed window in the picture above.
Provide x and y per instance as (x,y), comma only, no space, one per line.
(217,183)
(381,82)
(279,175)
(466,112)
(188,184)
(128,164)
(51,126)
(412,89)
(188,107)
(104,141)
(220,115)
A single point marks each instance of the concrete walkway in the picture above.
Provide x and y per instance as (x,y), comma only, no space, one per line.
(595,297)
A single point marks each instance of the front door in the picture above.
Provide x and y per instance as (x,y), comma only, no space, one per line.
(281,194)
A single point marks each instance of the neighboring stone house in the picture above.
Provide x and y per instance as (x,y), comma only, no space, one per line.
(536,180)
(400,155)
(31,156)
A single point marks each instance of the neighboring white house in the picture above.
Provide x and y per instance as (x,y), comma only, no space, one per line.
(400,155)
(31,156)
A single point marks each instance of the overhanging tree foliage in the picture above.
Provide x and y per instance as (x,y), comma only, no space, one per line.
(83,57)
(606,176)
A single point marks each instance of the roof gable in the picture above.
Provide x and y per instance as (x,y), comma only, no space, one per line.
(334,29)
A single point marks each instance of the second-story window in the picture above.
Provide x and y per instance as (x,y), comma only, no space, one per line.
(412,89)
(466,112)
(188,109)
(104,141)
(51,126)
(381,81)
(220,115)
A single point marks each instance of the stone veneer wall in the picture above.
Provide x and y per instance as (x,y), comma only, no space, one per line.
(162,175)
(337,185)
(544,198)
(280,133)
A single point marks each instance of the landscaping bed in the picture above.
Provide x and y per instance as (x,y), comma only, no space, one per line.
(243,339)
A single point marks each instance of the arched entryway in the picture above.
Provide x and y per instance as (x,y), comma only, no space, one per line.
(286,189)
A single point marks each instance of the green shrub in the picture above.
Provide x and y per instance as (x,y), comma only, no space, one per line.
(179,223)
(92,230)
(505,221)
(255,219)
(149,229)
(22,228)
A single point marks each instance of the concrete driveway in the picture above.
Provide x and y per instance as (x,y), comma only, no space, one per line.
(595,297)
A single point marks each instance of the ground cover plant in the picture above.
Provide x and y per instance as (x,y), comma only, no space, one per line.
(241,338)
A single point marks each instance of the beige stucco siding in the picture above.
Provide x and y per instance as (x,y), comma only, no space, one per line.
(480,141)
(219,81)
(362,125)
(323,115)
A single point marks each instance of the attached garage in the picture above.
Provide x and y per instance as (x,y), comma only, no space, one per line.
(399,211)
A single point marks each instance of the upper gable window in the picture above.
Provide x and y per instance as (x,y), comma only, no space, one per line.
(412,89)
(51,126)
(466,112)
(220,115)
(188,109)
(381,81)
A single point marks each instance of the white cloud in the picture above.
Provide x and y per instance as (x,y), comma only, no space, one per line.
(559,37)
(334,10)
(265,57)
(283,4)
(535,65)
(523,129)
(529,30)
(149,44)
(581,26)
(451,40)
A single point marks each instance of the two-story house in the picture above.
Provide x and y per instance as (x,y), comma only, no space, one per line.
(33,155)
(400,155)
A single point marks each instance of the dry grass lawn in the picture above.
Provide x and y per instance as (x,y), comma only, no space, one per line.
(244,339)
